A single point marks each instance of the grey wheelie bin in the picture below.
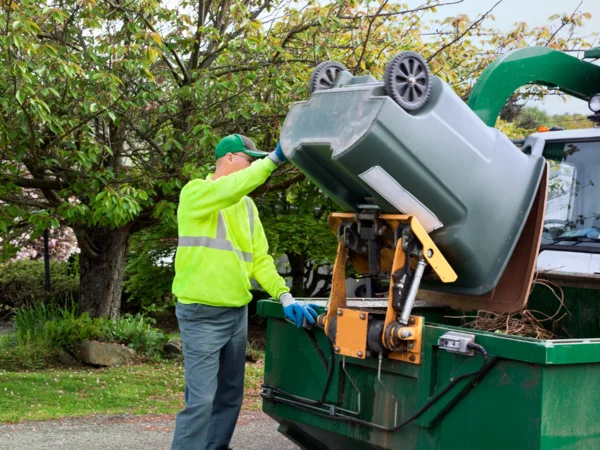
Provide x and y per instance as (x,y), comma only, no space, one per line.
(410,145)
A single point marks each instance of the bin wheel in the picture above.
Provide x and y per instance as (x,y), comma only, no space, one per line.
(407,80)
(324,75)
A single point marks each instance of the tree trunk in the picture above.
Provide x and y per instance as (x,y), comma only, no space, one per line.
(297,273)
(102,267)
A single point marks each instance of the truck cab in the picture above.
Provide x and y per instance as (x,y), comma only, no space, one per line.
(571,235)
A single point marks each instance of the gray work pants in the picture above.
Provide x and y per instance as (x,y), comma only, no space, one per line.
(214,350)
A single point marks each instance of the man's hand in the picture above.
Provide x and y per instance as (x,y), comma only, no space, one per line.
(277,155)
(296,312)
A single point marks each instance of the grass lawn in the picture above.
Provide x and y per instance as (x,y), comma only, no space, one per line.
(136,389)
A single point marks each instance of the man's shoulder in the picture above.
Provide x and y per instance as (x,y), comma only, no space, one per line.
(196,183)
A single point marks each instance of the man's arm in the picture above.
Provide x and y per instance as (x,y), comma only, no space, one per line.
(200,198)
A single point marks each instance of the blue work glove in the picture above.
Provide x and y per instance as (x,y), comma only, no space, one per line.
(277,155)
(296,312)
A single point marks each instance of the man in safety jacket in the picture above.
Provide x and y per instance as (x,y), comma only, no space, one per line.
(222,245)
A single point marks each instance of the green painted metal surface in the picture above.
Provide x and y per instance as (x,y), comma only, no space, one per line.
(539,394)
(533,65)
(583,306)
(592,53)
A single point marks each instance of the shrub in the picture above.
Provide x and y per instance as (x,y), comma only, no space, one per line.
(44,330)
(136,332)
(22,283)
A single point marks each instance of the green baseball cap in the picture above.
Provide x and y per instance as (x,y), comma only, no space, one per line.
(237,143)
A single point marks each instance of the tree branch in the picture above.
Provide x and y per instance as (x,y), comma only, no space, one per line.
(292,33)
(85,243)
(54,38)
(164,58)
(279,186)
(25,202)
(273,62)
(364,49)
(37,183)
(398,13)
(144,136)
(202,13)
(84,121)
(464,33)
(186,75)
(210,57)
(563,25)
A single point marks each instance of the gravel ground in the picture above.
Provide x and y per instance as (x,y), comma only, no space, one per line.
(255,431)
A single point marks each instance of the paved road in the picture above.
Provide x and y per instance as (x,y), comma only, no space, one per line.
(255,431)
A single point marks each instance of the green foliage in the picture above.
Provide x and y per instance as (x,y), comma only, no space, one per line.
(148,281)
(150,269)
(512,130)
(137,333)
(43,331)
(107,109)
(22,283)
(572,121)
(295,223)
(527,119)
(533,117)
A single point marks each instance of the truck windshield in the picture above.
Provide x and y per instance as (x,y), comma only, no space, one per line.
(572,219)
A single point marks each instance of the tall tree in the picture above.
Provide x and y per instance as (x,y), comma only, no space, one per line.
(109,107)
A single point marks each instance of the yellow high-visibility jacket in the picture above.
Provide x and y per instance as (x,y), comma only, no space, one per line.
(222,243)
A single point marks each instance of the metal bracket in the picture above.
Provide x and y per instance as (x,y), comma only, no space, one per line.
(267,393)
(383,257)
(354,386)
(351,335)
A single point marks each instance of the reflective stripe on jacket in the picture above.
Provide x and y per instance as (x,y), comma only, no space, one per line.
(222,243)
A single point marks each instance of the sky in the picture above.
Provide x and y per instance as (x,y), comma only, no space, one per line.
(535,13)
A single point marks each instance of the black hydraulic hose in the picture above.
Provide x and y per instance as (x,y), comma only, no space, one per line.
(315,345)
(453,382)
(330,369)
(329,372)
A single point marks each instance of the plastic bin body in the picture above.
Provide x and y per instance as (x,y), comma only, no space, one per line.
(466,182)
(540,395)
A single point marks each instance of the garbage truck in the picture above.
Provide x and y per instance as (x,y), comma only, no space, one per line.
(456,218)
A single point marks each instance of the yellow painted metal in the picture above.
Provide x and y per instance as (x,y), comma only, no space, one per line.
(399,260)
(431,252)
(351,330)
(411,355)
(351,335)
(337,298)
